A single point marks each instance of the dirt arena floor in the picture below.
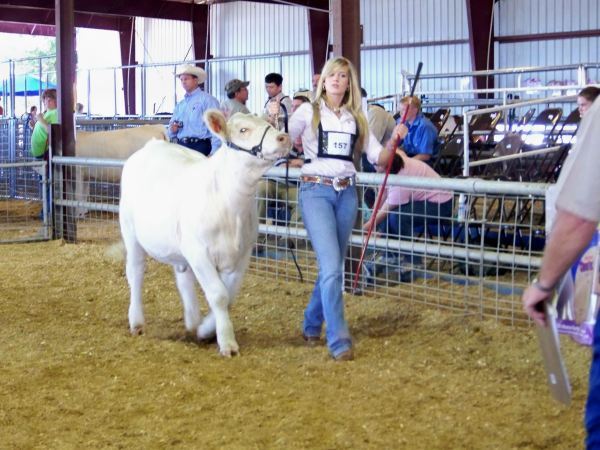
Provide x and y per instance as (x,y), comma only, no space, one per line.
(72,377)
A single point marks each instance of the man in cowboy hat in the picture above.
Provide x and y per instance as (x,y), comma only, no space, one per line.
(186,124)
(237,96)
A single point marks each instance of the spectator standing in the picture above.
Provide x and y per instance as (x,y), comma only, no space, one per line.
(299,98)
(237,96)
(315,82)
(419,134)
(277,188)
(187,124)
(39,137)
(31,117)
(273,86)
(578,214)
(381,124)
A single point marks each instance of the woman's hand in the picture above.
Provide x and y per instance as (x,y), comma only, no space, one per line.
(400,132)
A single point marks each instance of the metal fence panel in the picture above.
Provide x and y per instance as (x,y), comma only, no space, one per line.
(477,264)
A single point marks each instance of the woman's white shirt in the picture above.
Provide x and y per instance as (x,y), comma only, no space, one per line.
(301,125)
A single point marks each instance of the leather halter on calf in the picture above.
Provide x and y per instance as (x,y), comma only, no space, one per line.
(254,151)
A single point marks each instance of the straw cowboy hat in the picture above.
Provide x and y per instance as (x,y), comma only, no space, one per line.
(194,71)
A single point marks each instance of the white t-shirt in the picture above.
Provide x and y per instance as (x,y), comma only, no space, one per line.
(301,125)
(579,182)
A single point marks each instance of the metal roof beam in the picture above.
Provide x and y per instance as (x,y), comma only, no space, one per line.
(158,9)
(38,17)
(322,5)
(200,23)
(126,34)
(318,25)
(27,28)
(481,40)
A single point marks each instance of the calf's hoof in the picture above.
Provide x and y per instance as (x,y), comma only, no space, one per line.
(205,335)
(229,350)
(137,330)
(206,330)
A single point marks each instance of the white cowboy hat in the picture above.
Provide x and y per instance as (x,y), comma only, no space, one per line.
(194,71)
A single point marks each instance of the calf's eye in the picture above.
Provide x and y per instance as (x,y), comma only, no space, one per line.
(243,130)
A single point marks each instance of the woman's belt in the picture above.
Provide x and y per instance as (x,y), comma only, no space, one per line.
(338,183)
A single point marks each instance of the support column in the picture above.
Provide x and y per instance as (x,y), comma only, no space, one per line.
(65,63)
(481,38)
(200,32)
(201,39)
(126,32)
(318,26)
(347,31)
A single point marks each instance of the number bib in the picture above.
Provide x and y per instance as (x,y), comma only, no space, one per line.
(336,144)
(339,144)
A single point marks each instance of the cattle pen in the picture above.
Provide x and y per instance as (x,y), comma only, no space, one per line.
(445,359)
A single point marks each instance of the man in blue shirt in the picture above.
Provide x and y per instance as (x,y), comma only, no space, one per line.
(419,133)
(186,124)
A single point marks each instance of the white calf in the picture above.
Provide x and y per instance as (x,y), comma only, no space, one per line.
(199,215)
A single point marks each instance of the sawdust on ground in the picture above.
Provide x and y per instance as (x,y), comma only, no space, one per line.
(73,377)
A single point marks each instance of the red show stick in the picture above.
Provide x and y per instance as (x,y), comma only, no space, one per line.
(382,188)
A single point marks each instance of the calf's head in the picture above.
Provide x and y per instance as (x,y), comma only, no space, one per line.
(248,133)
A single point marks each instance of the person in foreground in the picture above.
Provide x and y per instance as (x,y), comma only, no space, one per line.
(333,129)
(578,214)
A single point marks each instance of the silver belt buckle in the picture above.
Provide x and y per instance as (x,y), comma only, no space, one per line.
(336,184)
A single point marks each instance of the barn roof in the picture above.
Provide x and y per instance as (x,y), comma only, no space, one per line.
(37,16)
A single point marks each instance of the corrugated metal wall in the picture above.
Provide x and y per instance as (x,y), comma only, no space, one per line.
(249,40)
(249,28)
(247,32)
(525,17)
(397,34)
(518,17)
(158,41)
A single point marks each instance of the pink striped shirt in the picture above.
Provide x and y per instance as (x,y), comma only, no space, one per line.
(397,195)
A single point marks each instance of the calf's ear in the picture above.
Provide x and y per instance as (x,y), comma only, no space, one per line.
(216,122)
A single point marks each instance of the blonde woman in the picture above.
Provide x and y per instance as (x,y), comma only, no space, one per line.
(333,129)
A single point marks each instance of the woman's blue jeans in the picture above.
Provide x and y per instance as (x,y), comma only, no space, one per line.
(328,217)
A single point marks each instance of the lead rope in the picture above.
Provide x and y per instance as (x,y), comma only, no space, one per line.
(289,242)
(382,188)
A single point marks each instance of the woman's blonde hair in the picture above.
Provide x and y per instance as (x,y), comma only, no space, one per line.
(351,101)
